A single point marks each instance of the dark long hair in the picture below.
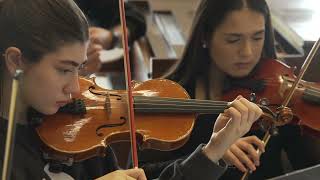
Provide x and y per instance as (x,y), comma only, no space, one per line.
(210,14)
(38,27)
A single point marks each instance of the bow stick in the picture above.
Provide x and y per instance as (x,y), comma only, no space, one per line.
(128,84)
(6,169)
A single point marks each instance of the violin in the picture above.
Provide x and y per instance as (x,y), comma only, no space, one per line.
(164,118)
(269,87)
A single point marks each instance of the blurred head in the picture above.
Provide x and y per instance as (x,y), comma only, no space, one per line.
(230,35)
(47,39)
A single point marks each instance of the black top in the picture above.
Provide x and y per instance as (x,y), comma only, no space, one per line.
(105,13)
(29,164)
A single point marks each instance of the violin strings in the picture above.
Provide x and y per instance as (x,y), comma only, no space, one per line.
(160,100)
(172,104)
(314,89)
(313,93)
(151,105)
(162,103)
(277,84)
(180,104)
(177,100)
(272,80)
(168,110)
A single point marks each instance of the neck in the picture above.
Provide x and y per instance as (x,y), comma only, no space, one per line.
(5,92)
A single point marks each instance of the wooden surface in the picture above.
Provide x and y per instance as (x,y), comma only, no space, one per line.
(303,16)
(158,44)
(183,13)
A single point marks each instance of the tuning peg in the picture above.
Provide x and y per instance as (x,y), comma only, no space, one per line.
(264,101)
(252,97)
(274,131)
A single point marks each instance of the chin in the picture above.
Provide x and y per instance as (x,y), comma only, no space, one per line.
(240,75)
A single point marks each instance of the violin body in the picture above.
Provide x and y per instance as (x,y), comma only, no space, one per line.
(75,137)
(275,83)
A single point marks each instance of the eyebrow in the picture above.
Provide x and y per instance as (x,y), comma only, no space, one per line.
(238,34)
(72,63)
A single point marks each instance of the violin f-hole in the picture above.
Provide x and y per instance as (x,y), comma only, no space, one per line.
(123,122)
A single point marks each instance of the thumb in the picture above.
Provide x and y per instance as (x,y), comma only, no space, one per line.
(234,118)
(221,122)
(136,173)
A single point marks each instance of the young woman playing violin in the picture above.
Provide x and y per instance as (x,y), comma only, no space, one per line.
(229,40)
(48,41)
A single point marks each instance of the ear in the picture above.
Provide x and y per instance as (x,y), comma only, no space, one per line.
(13,59)
(204,40)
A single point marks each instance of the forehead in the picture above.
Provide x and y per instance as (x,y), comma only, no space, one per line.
(74,51)
(242,21)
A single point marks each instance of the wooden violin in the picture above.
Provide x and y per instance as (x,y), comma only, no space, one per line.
(164,118)
(271,85)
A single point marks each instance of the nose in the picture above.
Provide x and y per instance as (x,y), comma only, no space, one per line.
(246,49)
(73,86)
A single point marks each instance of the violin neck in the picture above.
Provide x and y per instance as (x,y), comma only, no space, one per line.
(312,95)
(176,105)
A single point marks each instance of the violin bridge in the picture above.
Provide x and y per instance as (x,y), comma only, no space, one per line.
(107,104)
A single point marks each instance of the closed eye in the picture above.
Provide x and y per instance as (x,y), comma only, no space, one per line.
(257,38)
(232,40)
(64,70)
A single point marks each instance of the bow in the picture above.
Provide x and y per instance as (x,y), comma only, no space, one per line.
(128,84)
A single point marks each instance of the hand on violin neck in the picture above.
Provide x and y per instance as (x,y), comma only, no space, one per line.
(235,122)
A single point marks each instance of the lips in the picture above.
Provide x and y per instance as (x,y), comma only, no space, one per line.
(243,65)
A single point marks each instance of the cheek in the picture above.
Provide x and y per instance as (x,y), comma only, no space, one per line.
(257,50)
(35,90)
(33,95)
(43,98)
(258,46)
(40,90)
(50,86)
(222,55)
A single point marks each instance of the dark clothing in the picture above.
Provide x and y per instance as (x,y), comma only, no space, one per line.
(289,139)
(105,14)
(29,164)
